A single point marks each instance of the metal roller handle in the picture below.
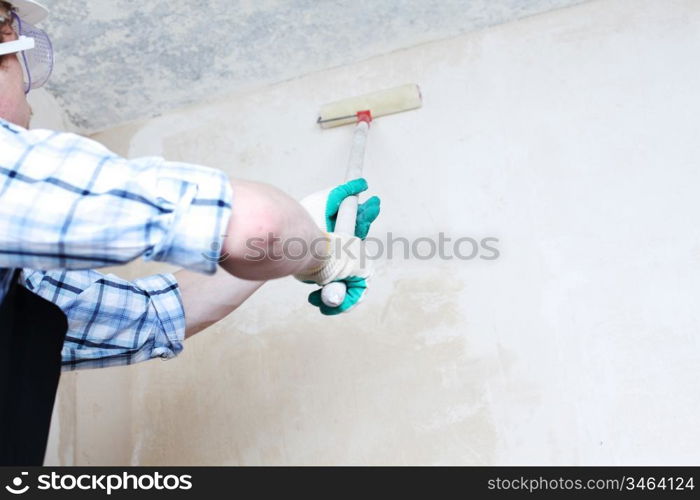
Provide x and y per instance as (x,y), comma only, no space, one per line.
(333,294)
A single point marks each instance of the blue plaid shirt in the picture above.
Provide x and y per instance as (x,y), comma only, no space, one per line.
(67,204)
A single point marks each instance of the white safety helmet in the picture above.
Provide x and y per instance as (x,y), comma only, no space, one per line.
(33,46)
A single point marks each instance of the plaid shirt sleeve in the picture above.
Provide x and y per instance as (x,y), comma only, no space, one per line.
(112,321)
(66,202)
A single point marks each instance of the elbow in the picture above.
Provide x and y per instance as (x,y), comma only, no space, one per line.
(253,240)
(261,239)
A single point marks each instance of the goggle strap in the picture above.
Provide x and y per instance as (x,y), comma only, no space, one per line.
(28,83)
(19,45)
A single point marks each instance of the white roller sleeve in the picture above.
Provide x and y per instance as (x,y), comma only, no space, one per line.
(380,103)
(333,294)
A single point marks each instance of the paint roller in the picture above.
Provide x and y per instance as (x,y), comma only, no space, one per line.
(360,110)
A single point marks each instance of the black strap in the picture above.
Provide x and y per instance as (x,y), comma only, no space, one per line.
(32,331)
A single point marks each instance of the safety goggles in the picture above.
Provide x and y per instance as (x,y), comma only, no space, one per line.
(35,52)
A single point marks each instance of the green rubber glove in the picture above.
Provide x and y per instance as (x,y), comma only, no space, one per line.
(323,207)
(356,287)
(367,212)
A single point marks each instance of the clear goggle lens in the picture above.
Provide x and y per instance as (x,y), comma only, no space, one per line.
(37,63)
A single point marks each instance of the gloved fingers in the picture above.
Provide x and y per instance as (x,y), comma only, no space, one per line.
(356,288)
(367,212)
(350,188)
(336,197)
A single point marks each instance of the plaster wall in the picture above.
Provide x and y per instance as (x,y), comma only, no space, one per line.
(572,138)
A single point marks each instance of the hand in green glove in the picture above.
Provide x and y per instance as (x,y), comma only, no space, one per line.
(323,207)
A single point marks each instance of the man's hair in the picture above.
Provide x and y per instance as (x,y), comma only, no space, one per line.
(5,12)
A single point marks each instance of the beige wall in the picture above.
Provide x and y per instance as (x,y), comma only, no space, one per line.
(571,137)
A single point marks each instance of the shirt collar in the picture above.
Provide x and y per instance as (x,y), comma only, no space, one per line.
(10,126)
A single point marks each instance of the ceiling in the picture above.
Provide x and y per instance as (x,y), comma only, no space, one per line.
(123,60)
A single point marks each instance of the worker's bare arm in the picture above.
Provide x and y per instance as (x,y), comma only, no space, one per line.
(270,235)
(208,299)
(263,219)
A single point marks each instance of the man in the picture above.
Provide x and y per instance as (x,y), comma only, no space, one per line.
(68,205)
